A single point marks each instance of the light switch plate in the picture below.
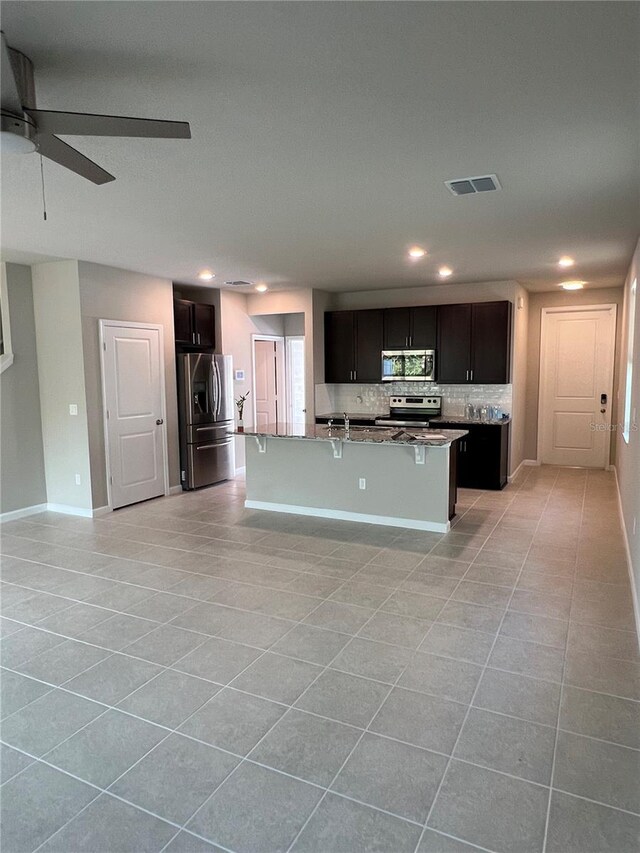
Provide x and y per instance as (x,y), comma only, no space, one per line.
(73,409)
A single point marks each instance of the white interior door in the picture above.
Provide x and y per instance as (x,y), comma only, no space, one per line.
(268,384)
(133,390)
(576,384)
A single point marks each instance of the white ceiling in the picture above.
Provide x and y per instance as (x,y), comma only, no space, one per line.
(323,132)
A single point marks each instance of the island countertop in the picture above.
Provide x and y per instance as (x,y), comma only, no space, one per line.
(360,434)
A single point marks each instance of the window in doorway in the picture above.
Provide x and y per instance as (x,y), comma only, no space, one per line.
(295,379)
(631,324)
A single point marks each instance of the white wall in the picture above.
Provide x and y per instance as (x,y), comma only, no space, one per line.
(107,293)
(22,477)
(58,324)
(440,294)
(628,455)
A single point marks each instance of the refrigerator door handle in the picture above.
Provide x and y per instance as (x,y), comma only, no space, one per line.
(219,389)
(213,399)
(213,444)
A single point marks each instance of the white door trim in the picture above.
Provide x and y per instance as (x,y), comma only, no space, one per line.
(280,339)
(118,324)
(565,309)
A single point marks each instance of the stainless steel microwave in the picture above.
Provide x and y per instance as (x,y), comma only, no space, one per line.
(409,365)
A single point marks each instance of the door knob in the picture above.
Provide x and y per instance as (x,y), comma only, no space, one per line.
(159,421)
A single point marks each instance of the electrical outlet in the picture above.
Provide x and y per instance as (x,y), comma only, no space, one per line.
(73,409)
(78,481)
(362,483)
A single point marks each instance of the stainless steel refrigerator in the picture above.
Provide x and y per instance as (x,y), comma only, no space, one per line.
(205,408)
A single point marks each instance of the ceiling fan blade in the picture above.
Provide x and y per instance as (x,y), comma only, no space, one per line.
(55,149)
(11,100)
(88,124)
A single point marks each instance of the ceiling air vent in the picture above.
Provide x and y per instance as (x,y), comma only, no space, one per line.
(239,283)
(470,186)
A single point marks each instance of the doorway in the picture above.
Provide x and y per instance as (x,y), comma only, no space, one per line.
(278,379)
(132,366)
(268,380)
(296,411)
(577,351)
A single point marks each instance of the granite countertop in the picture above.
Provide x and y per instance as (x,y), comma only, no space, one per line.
(454,419)
(355,416)
(369,435)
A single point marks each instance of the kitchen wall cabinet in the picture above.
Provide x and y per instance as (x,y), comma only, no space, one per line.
(353,345)
(474,343)
(413,328)
(194,324)
(483,454)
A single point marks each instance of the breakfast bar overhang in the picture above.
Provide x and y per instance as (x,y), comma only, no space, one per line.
(377,476)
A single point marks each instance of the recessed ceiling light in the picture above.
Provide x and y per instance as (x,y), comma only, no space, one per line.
(206,275)
(261,288)
(566,261)
(445,272)
(572,285)
(417,252)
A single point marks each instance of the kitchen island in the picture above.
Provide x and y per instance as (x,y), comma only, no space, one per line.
(376,475)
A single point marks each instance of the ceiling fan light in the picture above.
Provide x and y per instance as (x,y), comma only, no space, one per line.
(11,143)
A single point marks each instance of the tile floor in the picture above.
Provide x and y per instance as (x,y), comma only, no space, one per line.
(187,675)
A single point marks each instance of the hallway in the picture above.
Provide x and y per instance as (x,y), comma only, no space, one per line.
(188,675)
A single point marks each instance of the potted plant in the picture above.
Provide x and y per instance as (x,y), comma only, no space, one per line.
(240,405)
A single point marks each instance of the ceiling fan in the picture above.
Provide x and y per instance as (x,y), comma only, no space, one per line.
(25,128)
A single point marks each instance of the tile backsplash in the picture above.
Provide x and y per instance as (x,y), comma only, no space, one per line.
(375,398)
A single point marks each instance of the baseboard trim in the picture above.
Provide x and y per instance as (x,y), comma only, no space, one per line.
(343,515)
(241,471)
(65,509)
(175,490)
(512,476)
(101,511)
(632,580)
(15,514)
(524,463)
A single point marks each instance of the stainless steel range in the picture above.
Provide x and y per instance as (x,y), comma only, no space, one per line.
(411,411)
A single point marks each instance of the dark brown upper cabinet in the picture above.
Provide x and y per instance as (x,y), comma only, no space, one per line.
(474,343)
(353,346)
(194,324)
(410,328)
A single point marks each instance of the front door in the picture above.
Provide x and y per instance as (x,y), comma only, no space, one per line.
(576,383)
(133,380)
(266,382)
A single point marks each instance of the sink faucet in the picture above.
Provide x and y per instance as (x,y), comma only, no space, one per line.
(346,425)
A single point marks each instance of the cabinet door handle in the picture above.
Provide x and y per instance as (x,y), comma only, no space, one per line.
(467,376)
(355,375)
(198,337)
(471,375)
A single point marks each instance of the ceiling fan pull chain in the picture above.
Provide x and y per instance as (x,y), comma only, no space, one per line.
(44,200)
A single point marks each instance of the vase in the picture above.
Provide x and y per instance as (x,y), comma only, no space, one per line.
(240,425)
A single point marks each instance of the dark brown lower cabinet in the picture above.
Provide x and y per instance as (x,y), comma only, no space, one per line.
(483,455)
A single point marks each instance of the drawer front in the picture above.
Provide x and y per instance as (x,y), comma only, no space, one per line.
(210,462)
